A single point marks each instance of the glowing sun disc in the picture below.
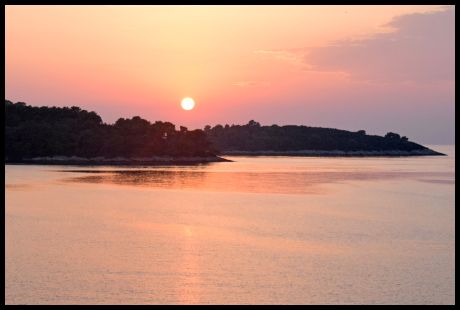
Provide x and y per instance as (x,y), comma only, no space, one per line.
(187,103)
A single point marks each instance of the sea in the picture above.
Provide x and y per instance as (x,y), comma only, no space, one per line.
(258,230)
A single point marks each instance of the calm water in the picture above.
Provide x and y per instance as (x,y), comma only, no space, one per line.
(257,230)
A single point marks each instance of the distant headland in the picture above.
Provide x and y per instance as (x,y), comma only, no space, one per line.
(291,140)
(70,135)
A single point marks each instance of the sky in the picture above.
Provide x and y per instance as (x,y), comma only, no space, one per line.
(377,68)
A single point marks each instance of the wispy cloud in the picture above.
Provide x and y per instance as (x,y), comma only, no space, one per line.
(421,48)
(295,57)
(251,83)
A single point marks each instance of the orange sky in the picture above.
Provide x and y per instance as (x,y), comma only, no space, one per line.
(311,65)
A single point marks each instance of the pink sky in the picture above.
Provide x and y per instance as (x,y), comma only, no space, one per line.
(378,68)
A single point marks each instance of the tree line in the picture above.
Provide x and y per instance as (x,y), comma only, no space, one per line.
(254,137)
(54,131)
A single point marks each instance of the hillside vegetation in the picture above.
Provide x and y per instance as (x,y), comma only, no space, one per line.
(253,137)
(52,131)
(37,132)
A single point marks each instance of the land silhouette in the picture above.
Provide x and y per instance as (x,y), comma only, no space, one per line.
(73,135)
(59,135)
(254,139)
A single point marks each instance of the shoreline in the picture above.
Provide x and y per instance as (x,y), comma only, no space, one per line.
(336,153)
(117,161)
(170,160)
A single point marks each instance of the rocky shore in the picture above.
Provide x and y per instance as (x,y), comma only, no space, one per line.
(424,152)
(154,160)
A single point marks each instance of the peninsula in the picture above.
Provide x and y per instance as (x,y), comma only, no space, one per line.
(70,135)
(54,135)
(254,139)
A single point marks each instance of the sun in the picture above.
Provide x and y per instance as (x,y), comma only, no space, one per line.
(187,103)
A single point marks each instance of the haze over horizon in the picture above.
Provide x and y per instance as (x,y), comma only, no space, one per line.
(377,68)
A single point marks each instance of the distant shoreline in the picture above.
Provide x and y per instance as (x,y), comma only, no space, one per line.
(155,160)
(336,153)
(169,160)
(37,131)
